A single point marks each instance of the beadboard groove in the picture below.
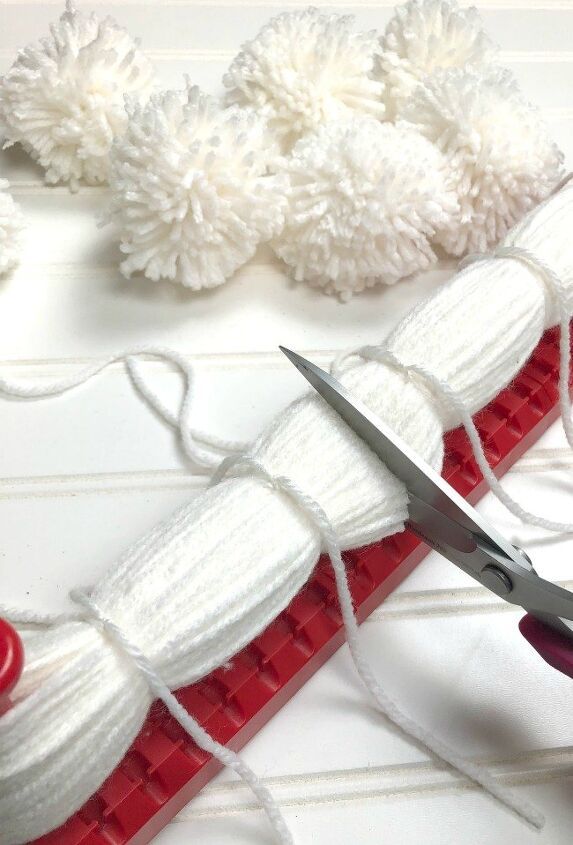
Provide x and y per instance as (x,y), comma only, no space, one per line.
(62,485)
(536,5)
(360,784)
(101,484)
(56,367)
(515,25)
(423,603)
(544,460)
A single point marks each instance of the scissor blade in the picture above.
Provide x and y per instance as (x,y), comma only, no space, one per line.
(439,512)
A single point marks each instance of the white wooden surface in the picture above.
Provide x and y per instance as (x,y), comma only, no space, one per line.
(83,476)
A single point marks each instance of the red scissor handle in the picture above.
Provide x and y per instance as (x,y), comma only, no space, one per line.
(556,649)
(11,662)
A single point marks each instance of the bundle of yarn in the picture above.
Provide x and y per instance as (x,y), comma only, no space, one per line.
(359,157)
(204,583)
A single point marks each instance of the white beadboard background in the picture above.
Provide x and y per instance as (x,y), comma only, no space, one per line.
(84,475)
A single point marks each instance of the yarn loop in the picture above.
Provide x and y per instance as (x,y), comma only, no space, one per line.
(202,448)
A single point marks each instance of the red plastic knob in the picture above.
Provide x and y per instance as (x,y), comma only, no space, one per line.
(11,661)
(556,649)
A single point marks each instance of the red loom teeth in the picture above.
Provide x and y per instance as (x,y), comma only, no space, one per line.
(163,769)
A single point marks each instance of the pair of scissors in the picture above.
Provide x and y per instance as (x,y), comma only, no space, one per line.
(443,519)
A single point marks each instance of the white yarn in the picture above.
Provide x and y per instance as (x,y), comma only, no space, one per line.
(62,99)
(502,160)
(364,201)
(444,391)
(202,448)
(199,735)
(190,194)
(305,68)
(424,36)
(11,227)
(228,758)
(384,703)
(205,582)
(551,278)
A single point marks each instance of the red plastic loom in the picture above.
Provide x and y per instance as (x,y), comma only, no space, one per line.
(164,769)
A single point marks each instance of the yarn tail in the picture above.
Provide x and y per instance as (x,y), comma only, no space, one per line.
(434,746)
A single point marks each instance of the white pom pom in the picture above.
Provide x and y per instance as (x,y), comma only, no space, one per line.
(365,199)
(501,158)
(305,68)
(63,98)
(189,190)
(11,226)
(424,36)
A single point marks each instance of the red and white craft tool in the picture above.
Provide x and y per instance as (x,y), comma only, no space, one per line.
(439,516)
(164,769)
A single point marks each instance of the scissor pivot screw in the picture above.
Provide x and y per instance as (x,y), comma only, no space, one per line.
(496,580)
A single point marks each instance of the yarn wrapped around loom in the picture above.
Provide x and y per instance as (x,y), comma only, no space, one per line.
(205,582)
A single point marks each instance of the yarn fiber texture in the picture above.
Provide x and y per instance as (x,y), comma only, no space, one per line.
(191,198)
(203,583)
(305,68)
(11,228)
(424,36)
(305,154)
(502,160)
(62,99)
(364,202)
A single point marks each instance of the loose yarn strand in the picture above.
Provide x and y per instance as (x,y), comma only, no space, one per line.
(445,392)
(201,448)
(161,691)
(190,436)
(385,704)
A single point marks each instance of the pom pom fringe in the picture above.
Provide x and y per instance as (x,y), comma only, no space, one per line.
(305,68)
(62,99)
(190,194)
(502,160)
(365,199)
(424,36)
